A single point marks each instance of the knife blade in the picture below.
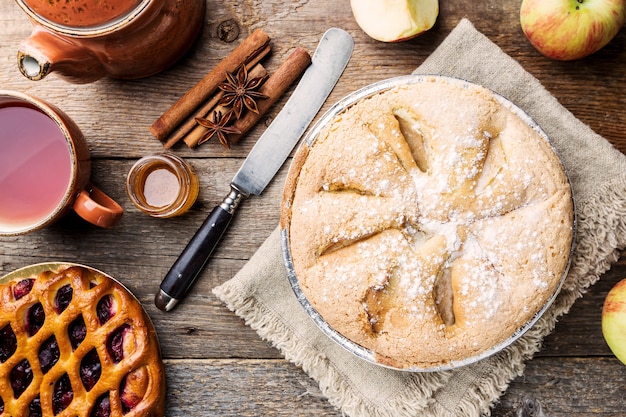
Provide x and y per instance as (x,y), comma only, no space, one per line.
(263,162)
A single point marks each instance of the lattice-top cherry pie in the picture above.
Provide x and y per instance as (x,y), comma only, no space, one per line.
(74,342)
(428,222)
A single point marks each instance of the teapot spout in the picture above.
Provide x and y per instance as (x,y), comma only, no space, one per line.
(44,52)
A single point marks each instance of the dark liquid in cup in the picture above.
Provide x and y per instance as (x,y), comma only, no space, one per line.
(35,166)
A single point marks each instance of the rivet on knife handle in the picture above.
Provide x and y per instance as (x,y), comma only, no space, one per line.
(265,159)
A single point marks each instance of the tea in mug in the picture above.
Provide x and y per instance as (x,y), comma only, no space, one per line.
(35,165)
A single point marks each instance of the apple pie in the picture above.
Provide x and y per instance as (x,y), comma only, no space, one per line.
(428,222)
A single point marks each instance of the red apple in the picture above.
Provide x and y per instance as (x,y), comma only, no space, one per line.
(571,29)
(614,320)
(395,20)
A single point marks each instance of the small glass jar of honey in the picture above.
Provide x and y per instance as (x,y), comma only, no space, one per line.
(162,185)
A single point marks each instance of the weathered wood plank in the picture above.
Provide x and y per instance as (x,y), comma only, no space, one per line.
(568,387)
(581,388)
(242,388)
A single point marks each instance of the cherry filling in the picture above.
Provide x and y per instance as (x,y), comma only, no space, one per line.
(102,407)
(115,343)
(23,287)
(35,319)
(90,369)
(62,395)
(106,308)
(77,331)
(49,354)
(21,377)
(1,405)
(63,298)
(132,388)
(126,406)
(34,408)
(8,343)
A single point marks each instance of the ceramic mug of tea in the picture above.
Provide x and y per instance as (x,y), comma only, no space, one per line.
(45,168)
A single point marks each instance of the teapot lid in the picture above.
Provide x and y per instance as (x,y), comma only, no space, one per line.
(86,16)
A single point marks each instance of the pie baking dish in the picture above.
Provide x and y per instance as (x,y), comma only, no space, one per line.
(75,341)
(426,223)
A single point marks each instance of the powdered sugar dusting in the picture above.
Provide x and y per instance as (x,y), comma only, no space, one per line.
(478,229)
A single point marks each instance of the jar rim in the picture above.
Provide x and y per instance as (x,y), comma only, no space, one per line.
(186,177)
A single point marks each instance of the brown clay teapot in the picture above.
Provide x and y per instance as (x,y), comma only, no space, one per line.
(83,41)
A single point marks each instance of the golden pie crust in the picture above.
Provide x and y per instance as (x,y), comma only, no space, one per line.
(77,343)
(428,223)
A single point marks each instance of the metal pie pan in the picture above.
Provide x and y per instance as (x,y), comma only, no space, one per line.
(356,349)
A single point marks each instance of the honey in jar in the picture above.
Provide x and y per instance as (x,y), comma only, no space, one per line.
(162,185)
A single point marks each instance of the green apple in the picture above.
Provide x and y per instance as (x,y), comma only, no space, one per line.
(571,29)
(614,320)
(395,20)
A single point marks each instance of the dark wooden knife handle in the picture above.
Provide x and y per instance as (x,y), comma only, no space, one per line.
(194,257)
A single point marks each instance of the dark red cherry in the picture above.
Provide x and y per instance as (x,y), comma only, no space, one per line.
(49,354)
(132,388)
(23,287)
(90,369)
(63,298)
(115,343)
(35,319)
(127,399)
(106,308)
(77,331)
(1,405)
(34,408)
(8,343)
(21,377)
(62,395)
(102,407)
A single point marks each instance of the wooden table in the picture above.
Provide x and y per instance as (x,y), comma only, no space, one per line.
(216,366)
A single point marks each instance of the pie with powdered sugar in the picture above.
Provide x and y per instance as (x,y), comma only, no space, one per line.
(428,222)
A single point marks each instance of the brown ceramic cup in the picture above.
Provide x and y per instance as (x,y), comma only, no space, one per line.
(45,168)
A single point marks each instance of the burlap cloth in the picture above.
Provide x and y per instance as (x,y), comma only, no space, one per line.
(261,295)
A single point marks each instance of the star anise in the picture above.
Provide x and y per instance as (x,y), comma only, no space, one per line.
(218,127)
(239,91)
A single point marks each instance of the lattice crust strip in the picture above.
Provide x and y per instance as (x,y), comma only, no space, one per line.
(75,342)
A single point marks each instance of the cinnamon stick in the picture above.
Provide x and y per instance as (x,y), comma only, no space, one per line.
(275,86)
(195,134)
(190,123)
(249,49)
(206,109)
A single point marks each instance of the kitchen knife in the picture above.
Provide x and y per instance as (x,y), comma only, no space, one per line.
(263,162)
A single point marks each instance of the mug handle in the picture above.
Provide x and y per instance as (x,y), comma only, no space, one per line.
(93,205)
